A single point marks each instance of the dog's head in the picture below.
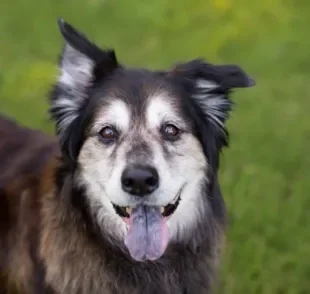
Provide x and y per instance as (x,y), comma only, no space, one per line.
(143,144)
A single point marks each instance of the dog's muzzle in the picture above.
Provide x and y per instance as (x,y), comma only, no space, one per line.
(147,232)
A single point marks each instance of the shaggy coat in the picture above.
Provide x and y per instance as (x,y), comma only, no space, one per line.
(47,245)
(50,241)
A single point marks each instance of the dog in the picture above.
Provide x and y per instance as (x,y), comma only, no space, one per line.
(125,198)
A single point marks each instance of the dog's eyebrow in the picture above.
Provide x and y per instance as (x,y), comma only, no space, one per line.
(159,110)
(116,112)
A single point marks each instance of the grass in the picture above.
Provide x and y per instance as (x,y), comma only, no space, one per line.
(265,172)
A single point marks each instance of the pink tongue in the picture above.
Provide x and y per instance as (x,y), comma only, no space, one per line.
(147,236)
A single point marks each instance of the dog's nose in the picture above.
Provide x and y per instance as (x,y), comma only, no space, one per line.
(140,180)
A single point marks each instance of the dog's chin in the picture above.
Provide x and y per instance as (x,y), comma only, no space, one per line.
(147,234)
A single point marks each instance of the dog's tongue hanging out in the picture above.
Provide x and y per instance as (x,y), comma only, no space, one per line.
(147,236)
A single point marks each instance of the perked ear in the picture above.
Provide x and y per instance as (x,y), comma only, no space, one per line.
(211,86)
(82,65)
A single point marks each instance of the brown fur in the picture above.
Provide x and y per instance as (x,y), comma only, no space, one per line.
(24,155)
(45,244)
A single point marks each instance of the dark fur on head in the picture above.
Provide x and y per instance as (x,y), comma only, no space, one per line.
(73,253)
(104,63)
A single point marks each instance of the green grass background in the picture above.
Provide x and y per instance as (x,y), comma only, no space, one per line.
(265,173)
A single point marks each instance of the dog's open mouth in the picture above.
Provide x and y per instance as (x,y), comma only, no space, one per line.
(166,211)
(147,233)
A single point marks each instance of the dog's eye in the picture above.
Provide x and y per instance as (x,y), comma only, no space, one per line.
(170,131)
(108,134)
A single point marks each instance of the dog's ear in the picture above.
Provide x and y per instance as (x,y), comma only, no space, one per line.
(210,86)
(82,65)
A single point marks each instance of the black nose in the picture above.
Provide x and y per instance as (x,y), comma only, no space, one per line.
(140,180)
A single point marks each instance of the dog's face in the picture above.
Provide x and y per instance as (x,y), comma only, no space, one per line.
(141,150)
(143,143)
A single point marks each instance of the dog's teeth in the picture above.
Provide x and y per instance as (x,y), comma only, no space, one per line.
(128,210)
(162,209)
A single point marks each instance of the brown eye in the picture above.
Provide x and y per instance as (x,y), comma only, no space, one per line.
(108,134)
(170,131)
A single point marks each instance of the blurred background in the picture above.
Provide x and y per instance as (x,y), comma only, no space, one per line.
(265,172)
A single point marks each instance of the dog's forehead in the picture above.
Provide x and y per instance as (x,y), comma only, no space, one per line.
(138,96)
